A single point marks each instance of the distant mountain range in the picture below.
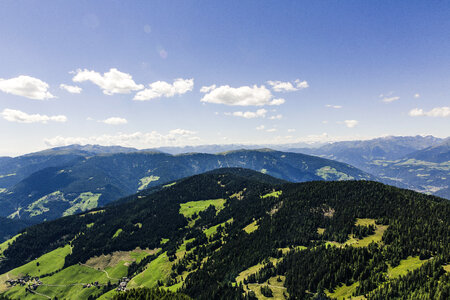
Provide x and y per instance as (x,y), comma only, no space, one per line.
(63,181)
(421,163)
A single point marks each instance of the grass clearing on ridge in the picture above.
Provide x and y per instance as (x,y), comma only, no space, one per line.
(190,208)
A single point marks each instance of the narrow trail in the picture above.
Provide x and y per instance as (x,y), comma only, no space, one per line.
(106,272)
(36,293)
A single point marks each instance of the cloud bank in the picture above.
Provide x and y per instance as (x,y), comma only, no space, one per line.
(175,137)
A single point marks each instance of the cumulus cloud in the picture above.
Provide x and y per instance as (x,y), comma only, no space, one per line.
(73,89)
(160,89)
(242,96)
(18,116)
(271,130)
(276,117)
(291,130)
(175,137)
(26,86)
(207,89)
(115,121)
(260,113)
(260,127)
(351,123)
(280,86)
(333,106)
(112,82)
(435,112)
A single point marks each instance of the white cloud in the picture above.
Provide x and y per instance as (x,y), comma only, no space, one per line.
(260,127)
(176,137)
(291,130)
(207,89)
(73,89)
(301,84)
(147,29)
(243,96)
(18,116)
(276,117)
(115,121)
(351,123)
(271,130)
(280,86)
(417,95)
(260,113)
(26,86)
(333,106)
(435,112)
(416,112)
(278,101)
(390,99)
(112,82)
(163,89)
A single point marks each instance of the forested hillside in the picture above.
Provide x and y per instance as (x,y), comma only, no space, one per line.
(240,234)
(78,179)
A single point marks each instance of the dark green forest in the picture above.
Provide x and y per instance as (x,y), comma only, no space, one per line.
(417,225)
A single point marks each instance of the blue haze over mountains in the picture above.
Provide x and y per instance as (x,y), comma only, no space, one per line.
(66,180)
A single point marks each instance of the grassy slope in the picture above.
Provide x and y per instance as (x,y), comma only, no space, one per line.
(406,265)
(213,229)
(85,201)
(145,181)
(158,269)
(189,208)
(251,227)
(68,283)
(376,237)
(275,194)
(5,244)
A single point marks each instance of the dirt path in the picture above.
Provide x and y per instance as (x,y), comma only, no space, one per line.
(36,293)
(107,275)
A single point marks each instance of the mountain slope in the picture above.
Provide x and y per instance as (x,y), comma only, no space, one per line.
(419,163)
(231,234)
(437,154)
(97,180)
(359,153)
(15,169)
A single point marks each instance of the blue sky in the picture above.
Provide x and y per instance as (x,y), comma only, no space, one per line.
(277,72)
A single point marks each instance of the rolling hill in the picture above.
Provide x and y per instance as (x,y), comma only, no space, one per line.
(240,234)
